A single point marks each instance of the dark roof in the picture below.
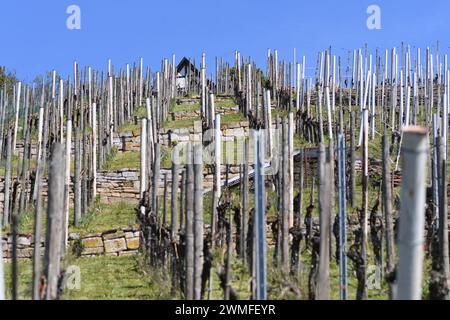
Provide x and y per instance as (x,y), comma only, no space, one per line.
(185,63)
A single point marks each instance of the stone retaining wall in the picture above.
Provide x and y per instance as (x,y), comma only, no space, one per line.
(131,140)
(124,185)
(119,242)
(119,186)
(181,115)
(230,131)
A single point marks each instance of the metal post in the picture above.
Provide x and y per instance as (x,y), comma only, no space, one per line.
(342,219)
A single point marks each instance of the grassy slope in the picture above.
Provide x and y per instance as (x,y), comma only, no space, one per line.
(102,278)
(109,278)
(100,217)
(124,277)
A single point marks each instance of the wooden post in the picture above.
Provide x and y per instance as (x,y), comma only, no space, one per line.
(37,221)
(37,234)
(352,185)
(217,177)
(25,156)
(164,217)
(61,109)
(6,204)
(84,170)
(387,205)
(189,287)
(67,183)
(40,144)
(290,169)
(323,284)
(54,221)
(203,85)
(211,111)
(182,200)
(2,273)
(174,195)
(342,220)
(244,200)
(77,179)
(15,234)
(3,98)
(443,216)
(143,184)
(229,257)
(248,98)
(16,123)
(198,220)
(365,194)
(268,127)
(285,214)
(155,182)
(94,150)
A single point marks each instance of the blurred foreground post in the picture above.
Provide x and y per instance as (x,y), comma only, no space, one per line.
(2,274)
(55,208)
(412,213)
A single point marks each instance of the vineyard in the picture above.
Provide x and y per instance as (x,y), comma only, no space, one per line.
(230,181)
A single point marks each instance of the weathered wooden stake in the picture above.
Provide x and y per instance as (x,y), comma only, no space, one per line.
(6,204)
(174,195)
(323,284)
(189,287)
(198,220)
(54,221)
(65,224)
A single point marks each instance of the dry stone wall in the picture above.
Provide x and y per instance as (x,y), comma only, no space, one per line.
(130,140)
(119,242)
(118,186)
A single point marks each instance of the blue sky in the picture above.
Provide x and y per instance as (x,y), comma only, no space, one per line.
(34,36)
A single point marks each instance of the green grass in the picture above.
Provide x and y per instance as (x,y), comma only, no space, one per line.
(100,217)
(225,103)
(186,107)
(117,278)
(25,274)
(189,123)
(180,123)
(278,112)
(103,217)
(16,164)
(232,118)
(140,112)
(134,128)
(102,278)
(121,160)
(192,107)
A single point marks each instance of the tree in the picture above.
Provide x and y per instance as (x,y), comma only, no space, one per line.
(7,77)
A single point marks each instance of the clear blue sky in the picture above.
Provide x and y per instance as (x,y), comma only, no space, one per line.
(34,36)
